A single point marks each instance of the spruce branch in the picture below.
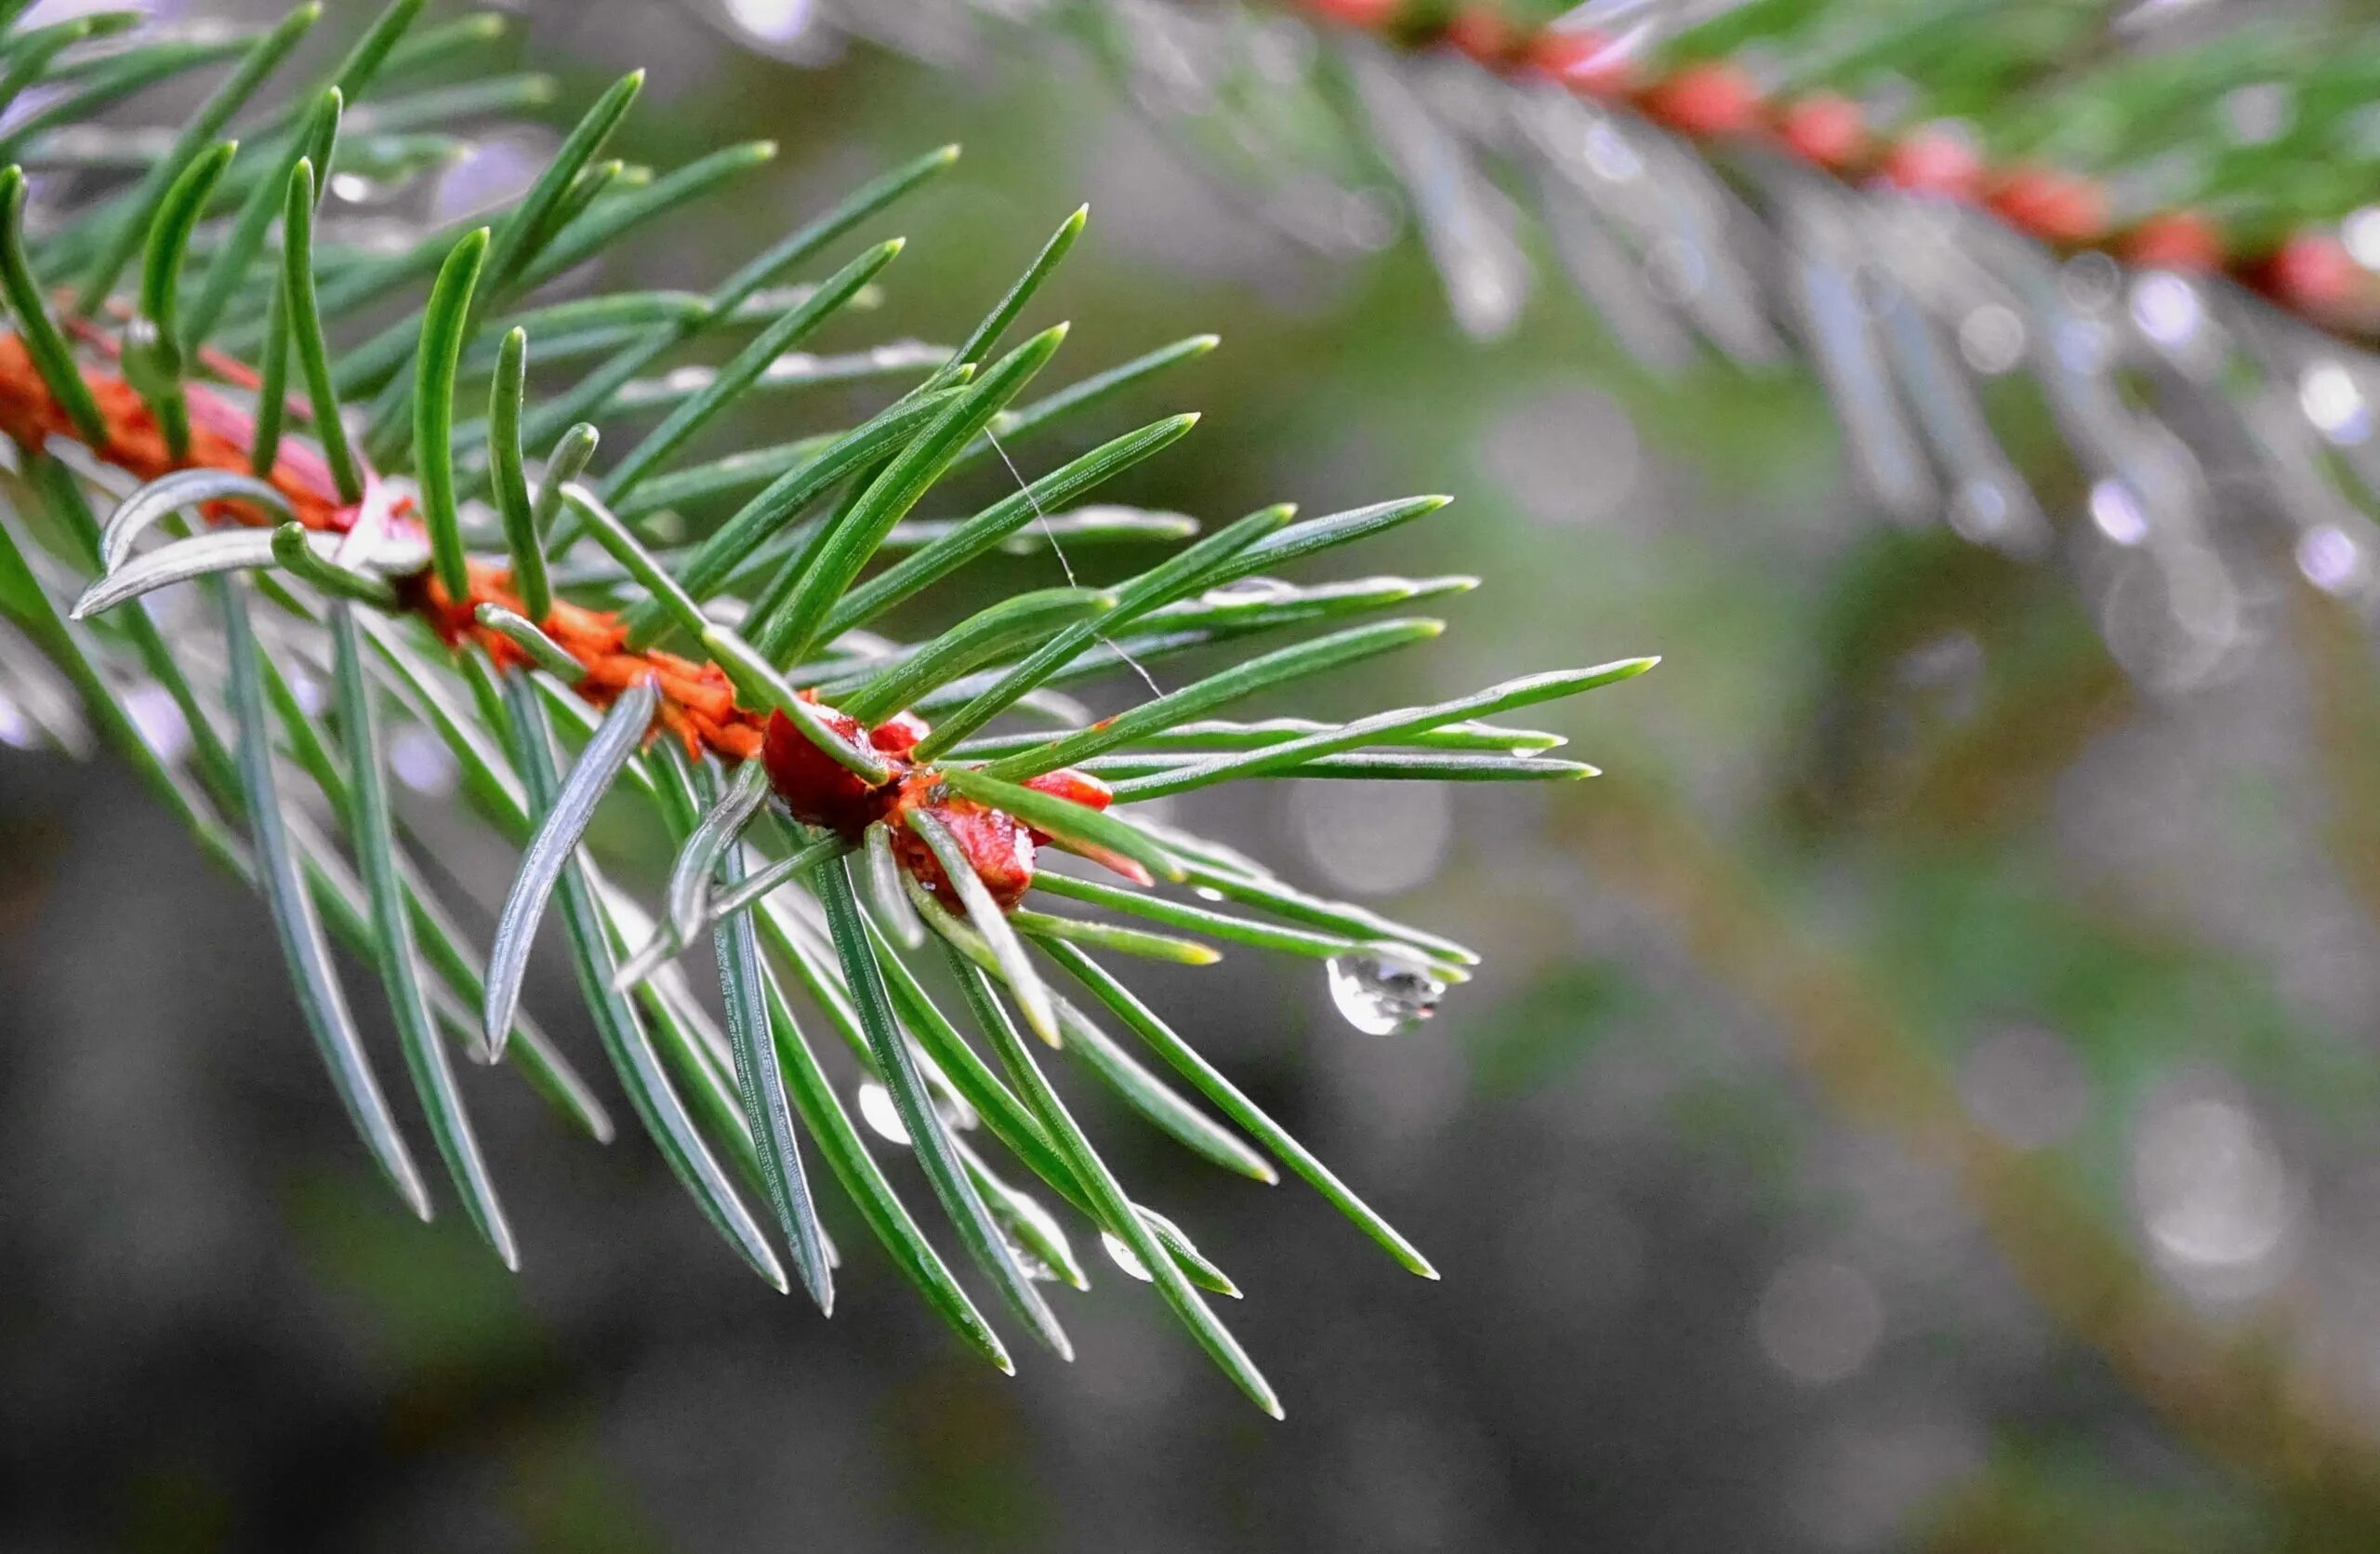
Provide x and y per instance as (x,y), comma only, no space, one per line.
(351,521)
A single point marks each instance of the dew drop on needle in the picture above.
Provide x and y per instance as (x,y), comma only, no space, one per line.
(1383,995)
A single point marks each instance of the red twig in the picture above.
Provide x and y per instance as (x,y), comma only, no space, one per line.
(2309,271)
(697,703)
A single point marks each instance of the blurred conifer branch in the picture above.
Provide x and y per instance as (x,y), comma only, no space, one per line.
(2086,279)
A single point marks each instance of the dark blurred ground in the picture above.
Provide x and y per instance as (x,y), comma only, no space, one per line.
(1889,855)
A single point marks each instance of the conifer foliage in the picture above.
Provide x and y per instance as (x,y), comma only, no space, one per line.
(322,497)
(2086,281)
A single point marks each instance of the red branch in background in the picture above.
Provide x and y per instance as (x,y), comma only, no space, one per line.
(697,703)
(2309,273)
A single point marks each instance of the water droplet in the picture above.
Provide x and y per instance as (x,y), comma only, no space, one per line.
(876,1109)
(1818,1320)
(775,21)
(2117,512)
(2166,309)
(492,173)
(1206,893)
(1980,510)
(2211,1189)
(2091,281)
(955,1115)
(2329,395)
(2170,626)
(1124,1256)
(1045,1227)
(796,365)
(1992,339)
(795,31)
(1383,995)
(1249,591)
(2360,232)
(1609,154)
(355,189)
(2330,558)
(1029,1262)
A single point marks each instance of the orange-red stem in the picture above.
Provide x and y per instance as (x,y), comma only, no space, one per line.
(697,703)
(2309,271)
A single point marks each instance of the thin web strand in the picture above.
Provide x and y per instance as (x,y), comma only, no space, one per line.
(1042,518)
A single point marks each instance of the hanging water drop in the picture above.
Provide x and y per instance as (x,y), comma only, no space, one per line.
(771,24)
(2332,400)
(1029,1262)
(1249,591)
(2165,307)
(955,1115)
(2118,512)
(2330,559)
(1124,1256)
(876,1109)
(1036,1225)
(1383,995)
(1206,893)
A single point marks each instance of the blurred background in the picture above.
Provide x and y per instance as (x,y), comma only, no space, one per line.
(1919,1098)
